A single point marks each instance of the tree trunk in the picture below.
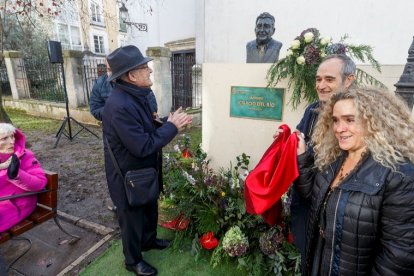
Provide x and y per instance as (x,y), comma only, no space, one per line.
(4,118)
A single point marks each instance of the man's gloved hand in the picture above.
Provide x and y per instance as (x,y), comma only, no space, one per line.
(13,169)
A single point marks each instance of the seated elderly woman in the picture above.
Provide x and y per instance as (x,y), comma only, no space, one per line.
(20,172)
(361,186)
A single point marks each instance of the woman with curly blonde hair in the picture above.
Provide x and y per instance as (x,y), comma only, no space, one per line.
(361,185)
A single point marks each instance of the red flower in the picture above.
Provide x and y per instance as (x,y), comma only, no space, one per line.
(290,238)
(186,153)
(179,223)
(208,241)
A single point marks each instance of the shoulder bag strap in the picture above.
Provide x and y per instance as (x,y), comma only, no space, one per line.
(118,170)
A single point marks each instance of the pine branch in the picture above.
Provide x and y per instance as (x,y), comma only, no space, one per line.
(363,77)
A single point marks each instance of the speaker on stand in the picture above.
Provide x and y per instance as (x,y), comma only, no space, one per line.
(54,49)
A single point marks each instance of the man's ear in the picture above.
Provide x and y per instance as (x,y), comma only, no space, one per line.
(349,80)
(131,76)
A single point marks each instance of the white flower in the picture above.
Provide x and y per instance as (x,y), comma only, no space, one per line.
(289,53)
(194,166)
(295,44)
(177,148)
(323,54)
(308,37)
(325,40)
(234,183)
(244,175)
(189,178)
(300,60)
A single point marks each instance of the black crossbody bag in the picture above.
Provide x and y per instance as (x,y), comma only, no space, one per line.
(141,186)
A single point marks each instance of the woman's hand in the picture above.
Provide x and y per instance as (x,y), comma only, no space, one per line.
(301,142)
(14,166)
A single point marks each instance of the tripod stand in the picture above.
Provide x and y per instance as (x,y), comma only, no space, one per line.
(68,118)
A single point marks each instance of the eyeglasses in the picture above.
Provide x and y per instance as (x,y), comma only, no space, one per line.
(143,67)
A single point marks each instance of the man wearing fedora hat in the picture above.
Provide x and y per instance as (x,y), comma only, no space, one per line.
(136,142)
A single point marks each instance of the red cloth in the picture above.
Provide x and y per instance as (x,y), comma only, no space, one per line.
(272,176)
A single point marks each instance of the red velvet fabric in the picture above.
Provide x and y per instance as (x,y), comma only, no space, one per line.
(272,176)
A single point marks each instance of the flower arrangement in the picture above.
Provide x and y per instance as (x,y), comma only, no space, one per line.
(213,206)
(235,243)
(303,58)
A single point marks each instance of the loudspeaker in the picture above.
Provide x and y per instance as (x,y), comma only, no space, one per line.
(54,49)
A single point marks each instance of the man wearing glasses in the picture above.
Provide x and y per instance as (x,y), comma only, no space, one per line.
(136,141)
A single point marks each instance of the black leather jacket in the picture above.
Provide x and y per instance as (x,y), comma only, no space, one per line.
(374,217)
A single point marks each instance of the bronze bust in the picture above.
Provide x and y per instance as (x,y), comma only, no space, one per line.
(263,49)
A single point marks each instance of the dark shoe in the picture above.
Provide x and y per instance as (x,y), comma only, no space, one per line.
(158,244)
(142,268)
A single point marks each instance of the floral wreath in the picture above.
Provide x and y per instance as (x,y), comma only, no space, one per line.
(303,58)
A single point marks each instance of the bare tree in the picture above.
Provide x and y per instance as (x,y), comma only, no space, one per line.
(20,14)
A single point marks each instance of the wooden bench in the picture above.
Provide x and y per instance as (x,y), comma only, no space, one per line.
(46,209)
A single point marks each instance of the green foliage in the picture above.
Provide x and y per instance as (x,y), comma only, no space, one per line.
(303,59)
(25,33)
(214,202)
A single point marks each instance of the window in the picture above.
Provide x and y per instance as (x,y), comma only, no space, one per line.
(63,34)
(67,27)
(122,25)
(75,38)
(96,12)
(98,42)
(69,36)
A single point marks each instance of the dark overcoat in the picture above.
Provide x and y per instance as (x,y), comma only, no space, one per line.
(134,138)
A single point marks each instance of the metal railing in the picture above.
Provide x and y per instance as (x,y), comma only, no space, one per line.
(4,80)
(92,69)
(44,79)
(182,83)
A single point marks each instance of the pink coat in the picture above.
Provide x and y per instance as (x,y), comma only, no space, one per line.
(31,177)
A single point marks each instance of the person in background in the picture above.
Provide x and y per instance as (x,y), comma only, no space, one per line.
(20,172)
(360,181)
(136,142)
(335,73)
(102,90)
(264,49)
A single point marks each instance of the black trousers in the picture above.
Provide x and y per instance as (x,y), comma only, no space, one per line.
(138,230)
(299,210)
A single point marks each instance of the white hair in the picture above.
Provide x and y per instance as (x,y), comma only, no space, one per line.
(6,128)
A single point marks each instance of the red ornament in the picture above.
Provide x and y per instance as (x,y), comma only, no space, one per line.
(208,241)
(186,153)
(290,238)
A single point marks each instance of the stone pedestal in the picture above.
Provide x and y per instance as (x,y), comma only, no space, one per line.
(161,76)
(405,86)
(72,63)
(17,74)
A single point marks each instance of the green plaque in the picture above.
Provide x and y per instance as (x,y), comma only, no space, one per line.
(257,102)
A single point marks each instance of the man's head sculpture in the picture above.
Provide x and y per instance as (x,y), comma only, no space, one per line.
(265,28)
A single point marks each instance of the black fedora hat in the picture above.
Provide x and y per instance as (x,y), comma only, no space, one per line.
(124,59)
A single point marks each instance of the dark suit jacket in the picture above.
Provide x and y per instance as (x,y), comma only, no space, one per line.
(271,54)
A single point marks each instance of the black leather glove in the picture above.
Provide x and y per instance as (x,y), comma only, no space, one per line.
(13,169)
